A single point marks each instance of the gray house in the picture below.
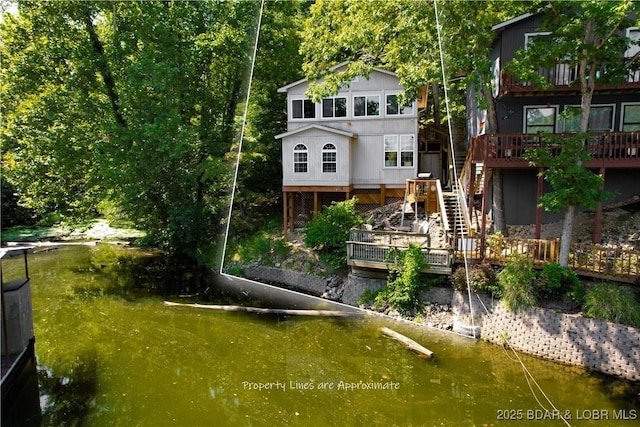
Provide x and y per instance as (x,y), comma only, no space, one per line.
(527,114)
(360,142)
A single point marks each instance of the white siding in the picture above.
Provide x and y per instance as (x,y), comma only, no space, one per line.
(314,140)
(360,162)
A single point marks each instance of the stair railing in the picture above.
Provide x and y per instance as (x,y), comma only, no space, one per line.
(443,210)
(462,206)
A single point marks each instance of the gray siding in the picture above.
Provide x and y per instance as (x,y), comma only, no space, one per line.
(520,192)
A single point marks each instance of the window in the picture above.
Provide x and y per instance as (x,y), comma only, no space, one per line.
(540,119)
(600,118)
(633,34)
(303,109)
(399,148)
(334,107)
(329,158)
(630,117)
(366,106)
(394,107)
(530,38)
(390,151)
(300,158)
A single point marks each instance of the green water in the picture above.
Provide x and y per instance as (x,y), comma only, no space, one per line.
(111,354)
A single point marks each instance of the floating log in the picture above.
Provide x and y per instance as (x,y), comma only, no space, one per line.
(411,344)
(258,310)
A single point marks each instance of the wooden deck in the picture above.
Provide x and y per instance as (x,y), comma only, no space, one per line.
(369,249)
(609,150)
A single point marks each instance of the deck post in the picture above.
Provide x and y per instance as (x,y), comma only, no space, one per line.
(597,230)
(285,211)
(539,190)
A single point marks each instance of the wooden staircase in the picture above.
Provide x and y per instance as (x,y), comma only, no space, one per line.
(458,224)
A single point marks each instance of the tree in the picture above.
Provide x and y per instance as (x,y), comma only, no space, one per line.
(588,36)
(129,101)
(278,62)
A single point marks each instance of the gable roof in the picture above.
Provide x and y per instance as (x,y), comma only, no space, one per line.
(511,21)
(317,127)
(286,88)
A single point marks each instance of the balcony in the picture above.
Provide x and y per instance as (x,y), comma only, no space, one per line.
(608,150)
(564,79)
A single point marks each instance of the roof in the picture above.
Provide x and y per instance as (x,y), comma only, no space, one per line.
(318,127)
(285,88)
(511,21)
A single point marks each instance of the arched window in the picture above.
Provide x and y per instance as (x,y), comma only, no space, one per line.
(300,158)
(329,158)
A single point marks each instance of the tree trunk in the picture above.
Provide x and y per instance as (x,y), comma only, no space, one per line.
(499,219)
(567,231)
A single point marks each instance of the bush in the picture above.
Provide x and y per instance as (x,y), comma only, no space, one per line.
(482,277)
(555,281)
(610,302)
(264,248)
(518,279)
(328,232)
(403,283)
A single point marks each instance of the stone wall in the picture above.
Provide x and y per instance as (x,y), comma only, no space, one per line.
(291,279)
(602,346)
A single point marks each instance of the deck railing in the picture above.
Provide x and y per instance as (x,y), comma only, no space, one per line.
(372,249)
(564,77)
(608,146)
(584,258)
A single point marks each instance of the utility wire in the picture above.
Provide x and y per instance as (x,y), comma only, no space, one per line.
(244,123)
(453,160)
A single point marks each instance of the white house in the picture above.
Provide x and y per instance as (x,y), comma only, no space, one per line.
(360,142)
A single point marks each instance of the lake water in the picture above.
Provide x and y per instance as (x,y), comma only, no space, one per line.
(111,354)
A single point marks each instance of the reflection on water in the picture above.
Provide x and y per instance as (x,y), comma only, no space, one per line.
(110,353)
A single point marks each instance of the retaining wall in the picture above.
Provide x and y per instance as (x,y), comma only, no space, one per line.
(602,346)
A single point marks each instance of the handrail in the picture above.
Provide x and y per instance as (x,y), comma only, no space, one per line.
(463,208)
(607,146)
(443,209)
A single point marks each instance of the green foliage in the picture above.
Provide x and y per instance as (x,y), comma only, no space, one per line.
(572,184)
(328,232)
(264,248)
(482,277)
(555,281)
(368,296)
(613,303)
(404,282)
(130,102)
(518,282)
(401,36)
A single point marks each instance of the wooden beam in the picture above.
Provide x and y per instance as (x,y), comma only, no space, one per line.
(383,195)
(539,190)
(597,230)
(285,212)
(411,344)
(316,208)
(259,310)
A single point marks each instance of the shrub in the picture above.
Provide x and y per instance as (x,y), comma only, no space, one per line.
(328,232)
(517,280)
(610,302)
(404,283)
(264,248)
(482,277)
(556,281)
